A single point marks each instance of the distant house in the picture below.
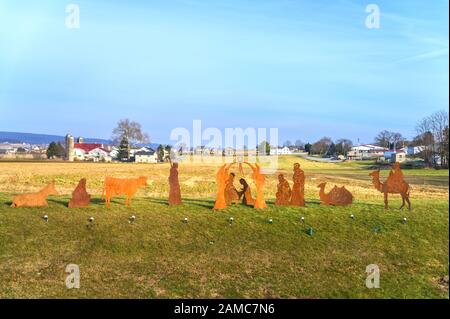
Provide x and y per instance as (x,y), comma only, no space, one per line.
(6,149)
(21,151)
(228,151)
(395,156)
(99,154)
(366,151)
(146,156)
(12,148)
(90,152)
(413,150)
(114,152)
(280,151)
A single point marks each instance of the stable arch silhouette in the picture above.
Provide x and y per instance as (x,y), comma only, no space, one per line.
(258,178)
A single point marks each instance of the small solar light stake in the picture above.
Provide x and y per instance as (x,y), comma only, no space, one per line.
(185,220)
(90,222)
(270,220)
(404,219)
(352,216)
(302,219)
(231,220)
(45,217)
(132,219)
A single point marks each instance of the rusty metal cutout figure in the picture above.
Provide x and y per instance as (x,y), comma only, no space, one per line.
(80,197)
(246,193)
(395,184)
(231,194)
(338,196)
(221,181)
(122,186)
(298,189)
(174,185)
(38,199)
(283,195)
(259,178)
(222,177)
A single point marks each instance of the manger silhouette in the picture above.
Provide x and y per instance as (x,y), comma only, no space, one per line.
(338,196)
(223,178)
(37,199)
(231,193)
(80,197)
(122,186)
(395,184)
(246,194)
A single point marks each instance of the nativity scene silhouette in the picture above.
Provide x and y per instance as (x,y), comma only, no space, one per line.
(227,194)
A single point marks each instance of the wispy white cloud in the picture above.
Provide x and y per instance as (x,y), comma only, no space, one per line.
(424,56)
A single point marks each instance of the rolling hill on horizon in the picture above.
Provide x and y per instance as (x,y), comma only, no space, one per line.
(34,138)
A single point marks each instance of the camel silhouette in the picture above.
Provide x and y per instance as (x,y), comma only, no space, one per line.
(391,186)
(338,196)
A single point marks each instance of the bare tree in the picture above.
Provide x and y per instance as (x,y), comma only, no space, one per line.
(425,138)
(131,131)
(299,144)
(322,146)
(445,146)
(396,139)
(389,139)
(433,133)
(343,145)
(383,139)
(438,123)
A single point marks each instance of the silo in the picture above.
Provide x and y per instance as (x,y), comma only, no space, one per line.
(69,147)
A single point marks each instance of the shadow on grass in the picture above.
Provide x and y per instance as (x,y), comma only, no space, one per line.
(209,204)
(8,203)
(94,201)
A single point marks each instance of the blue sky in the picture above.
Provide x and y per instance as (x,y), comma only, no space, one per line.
(309,68)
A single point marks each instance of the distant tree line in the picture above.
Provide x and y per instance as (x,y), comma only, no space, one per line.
(327,147)
(433,136)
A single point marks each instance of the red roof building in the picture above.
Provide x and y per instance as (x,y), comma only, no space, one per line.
(87,147)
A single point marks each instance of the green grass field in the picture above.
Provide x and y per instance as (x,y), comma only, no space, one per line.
(160,256)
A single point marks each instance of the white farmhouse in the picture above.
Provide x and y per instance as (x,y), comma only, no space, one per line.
(99,154)
(146,156)
(280,151)
(413,150)
(366,151)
